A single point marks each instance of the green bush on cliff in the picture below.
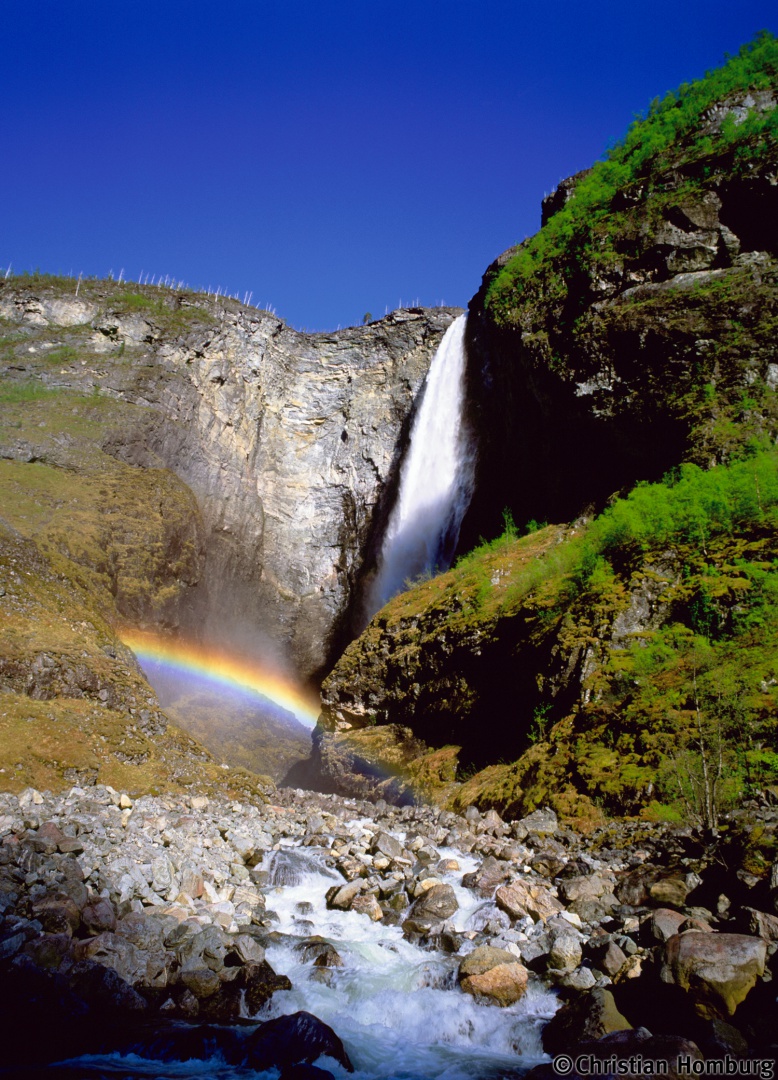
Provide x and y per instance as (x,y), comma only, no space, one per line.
(690,507)
(692,691)
(579,232)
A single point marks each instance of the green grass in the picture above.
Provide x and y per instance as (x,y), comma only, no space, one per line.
(17,393)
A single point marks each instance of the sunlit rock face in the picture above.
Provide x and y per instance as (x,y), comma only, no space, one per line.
(290,442)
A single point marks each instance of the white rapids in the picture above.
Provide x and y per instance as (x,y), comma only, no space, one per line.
(436,478)
(396,1007)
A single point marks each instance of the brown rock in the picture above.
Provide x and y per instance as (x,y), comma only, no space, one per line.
(436,904)
(503,984)
(48,950)
(340,897)
(261,983)
(114,952)
(671,891)
(590,887)
(522,898)
(608,957)
(588,1016)
(762,925)
(718,970)
(482,959)
(665,922)
(367,905)
(57,914)
(99,916)
(491,873)
(202,982)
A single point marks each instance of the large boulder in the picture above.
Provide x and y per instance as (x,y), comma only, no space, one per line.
(435,905)
(587,1017)
(718,970)
(290,1040)
(522,898)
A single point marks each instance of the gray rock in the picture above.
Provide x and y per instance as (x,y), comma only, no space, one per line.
(435,905)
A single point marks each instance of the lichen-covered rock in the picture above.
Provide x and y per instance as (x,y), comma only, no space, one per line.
(718,970)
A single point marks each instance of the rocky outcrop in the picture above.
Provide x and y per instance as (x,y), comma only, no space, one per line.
(626,340)
(289,441)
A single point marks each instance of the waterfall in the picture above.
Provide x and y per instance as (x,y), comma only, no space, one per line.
(436,478)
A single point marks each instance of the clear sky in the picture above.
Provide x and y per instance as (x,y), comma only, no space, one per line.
(332,157)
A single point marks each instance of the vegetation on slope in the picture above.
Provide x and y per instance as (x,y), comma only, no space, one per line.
(88,543)
(628,664)
(671,593)
(583,235)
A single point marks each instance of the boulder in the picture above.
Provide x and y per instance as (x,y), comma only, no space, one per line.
(57,914)
(98,916)
(366,904)
(385,844)
(435,905)
(261,982)
(607,956)
(202,982)
(491,873)
(588,1016)
(588,887)
(522,898)
(762,925)
(493,974)
(565,954)
(341,897)
(718,970)
(114,952)
(294,1039)
(665,922)
(541,822)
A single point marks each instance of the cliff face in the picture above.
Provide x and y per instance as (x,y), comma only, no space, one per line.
(287,441)
(611,663)
(637,329)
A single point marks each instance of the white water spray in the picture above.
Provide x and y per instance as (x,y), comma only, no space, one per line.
(436,479)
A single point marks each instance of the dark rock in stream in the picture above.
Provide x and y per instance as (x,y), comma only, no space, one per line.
(290,1040)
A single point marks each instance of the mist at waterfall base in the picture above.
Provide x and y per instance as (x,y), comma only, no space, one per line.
(245,712)
(436,479)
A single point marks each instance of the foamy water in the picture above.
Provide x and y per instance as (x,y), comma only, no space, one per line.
(396,1007)
(435,480)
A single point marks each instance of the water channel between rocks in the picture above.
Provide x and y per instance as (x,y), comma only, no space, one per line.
(396,1006)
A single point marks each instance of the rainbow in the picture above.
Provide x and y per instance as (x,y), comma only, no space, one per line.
(235,673)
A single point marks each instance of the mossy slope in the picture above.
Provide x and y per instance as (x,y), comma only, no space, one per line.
(637,328)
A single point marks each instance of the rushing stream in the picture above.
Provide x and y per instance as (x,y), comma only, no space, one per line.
(396,1007)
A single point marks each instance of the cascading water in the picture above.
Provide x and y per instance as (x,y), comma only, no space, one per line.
(436,478)
(396,1006)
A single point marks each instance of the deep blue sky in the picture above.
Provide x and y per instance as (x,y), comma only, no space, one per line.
(332,157)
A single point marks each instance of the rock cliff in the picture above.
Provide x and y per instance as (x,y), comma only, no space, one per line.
(287,441)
